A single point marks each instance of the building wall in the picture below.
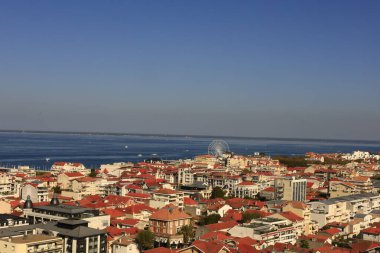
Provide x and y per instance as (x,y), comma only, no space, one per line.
(131,248)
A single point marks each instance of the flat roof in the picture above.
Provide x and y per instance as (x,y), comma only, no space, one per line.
(349,198)
(30,239)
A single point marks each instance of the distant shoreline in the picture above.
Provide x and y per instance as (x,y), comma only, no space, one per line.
(191,136)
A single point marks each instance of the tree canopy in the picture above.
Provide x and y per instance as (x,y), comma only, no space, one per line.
(248,216)
(210,219)
(145,239)
(217,192)
(188,233)
(92,173)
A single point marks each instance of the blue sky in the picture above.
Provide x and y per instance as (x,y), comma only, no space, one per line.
(244,68)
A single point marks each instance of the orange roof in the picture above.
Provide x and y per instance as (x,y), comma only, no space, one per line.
(160,250)
(165,191)
(114,213)
(73,174)
(136,209)
(371,230)
(189,202)
(269,189)
(169,213)
(297,205)
(85,179)
(221,225)
(215,235)
(332,231)
(246,183)
(138,195)
(209,247)
(291,216)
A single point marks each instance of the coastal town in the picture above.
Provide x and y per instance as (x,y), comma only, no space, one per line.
(219,202)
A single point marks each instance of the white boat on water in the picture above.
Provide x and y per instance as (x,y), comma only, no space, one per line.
(126,146)
(47,159)
(139,155)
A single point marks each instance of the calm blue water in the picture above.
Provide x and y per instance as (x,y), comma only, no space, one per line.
(92,150)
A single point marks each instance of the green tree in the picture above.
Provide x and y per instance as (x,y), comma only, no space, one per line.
(246,171)
(304,244)
(188,233)
(217,192)
(210,219)
(145,239)
(57,189)
(248,216)
(92,173)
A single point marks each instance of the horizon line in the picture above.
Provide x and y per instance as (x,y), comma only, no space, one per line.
(182,135)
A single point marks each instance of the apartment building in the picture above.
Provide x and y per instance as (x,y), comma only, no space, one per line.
(166,223)
(62,167)
(340,189)
(341,209)
(163,197)
(302,210)
(57,212)
(31,244)
(8,186)
(267,230)
(290,189)
(36,192)
(245,189)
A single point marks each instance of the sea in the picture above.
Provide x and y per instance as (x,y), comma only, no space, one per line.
(41,150)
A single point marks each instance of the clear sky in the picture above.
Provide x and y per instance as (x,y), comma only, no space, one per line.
(242,68)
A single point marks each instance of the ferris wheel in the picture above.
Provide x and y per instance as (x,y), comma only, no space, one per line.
(218,148)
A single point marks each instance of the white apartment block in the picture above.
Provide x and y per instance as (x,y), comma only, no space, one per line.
(290,189)
(341,209)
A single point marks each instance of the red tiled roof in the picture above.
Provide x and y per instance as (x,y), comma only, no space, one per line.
(332,231)
(85,179)
(113,231)
(114,213)
(160,250)
(189,202)
(138,195)
(136,209)
(246,183)
(221,226)
(245,240)
(371,230)
(364,246)
(127,222)
(209,247)
(215,235)
(169,213)
(244,248)
(73,174)
(297,205)
(291,216)
(269,189)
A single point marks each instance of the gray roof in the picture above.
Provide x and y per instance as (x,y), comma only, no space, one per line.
(376,183)
(5,217)
(360,215)
(349,198)
(64,209)
(74,222)
(78,232)
(376,211)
